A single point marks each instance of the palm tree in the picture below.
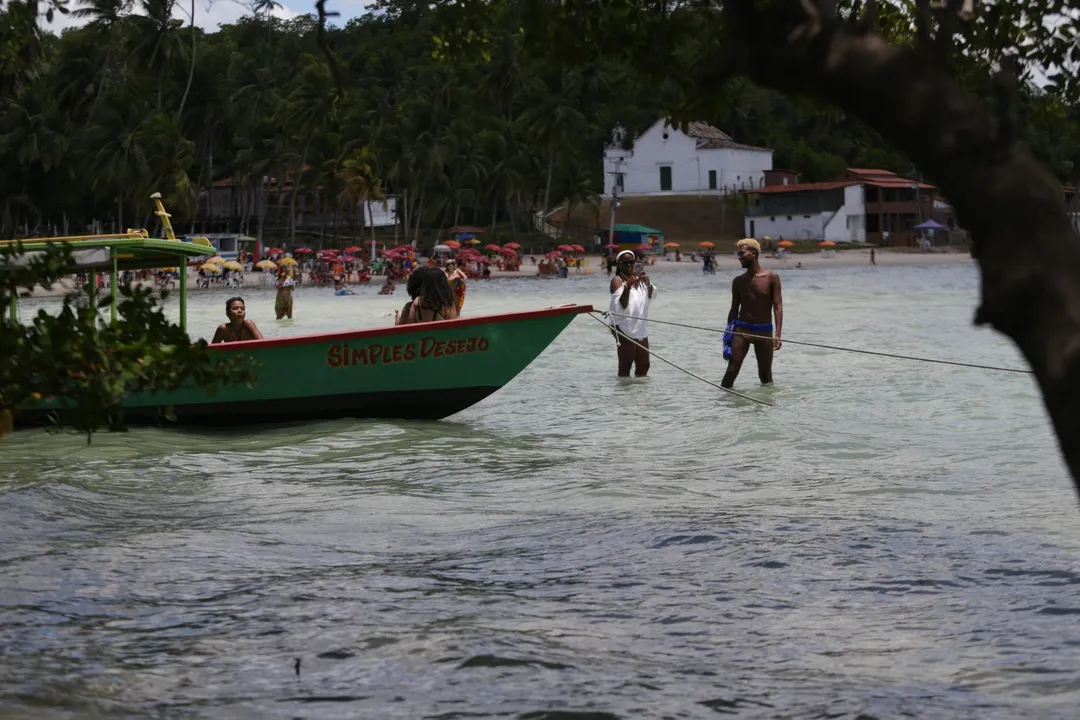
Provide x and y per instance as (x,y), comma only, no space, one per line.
(155,39)
(267,8)
(360,186)
(104,17)
(552,120)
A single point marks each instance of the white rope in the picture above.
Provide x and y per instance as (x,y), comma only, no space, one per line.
(662,359)
(833,347)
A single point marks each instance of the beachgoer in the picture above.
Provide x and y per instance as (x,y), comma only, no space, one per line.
(755,298)
(431,296)
(873,260)
(456,277)
(339,287)
(283,304)
(388,287)
(631,294)
(239,327)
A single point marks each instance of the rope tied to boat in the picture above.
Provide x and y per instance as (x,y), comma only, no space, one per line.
(736,393)
(831,347)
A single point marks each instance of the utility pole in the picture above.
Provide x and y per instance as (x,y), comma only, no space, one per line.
(614,201)
(615,151)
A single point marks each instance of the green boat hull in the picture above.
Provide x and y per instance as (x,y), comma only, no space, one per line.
(425,371)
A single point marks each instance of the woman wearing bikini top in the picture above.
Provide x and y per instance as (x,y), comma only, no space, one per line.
(239,327)
(432,298)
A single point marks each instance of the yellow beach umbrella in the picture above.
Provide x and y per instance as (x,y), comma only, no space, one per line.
(706,244)
(286,261)
(671,244)
(216,259)
(210,268)
(786,243)
(233,265)
(266,265)
(474,241)
(828,243)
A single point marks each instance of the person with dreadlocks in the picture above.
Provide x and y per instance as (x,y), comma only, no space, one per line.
(432,298)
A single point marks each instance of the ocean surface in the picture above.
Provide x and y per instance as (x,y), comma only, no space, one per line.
(892,539)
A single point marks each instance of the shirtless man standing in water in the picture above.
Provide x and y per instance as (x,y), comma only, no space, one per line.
(755,297)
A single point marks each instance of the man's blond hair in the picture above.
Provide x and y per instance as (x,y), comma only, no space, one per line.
(749,243)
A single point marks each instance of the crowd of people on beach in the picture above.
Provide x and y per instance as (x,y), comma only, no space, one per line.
(436,292)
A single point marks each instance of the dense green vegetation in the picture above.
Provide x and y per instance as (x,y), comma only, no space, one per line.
(93,121)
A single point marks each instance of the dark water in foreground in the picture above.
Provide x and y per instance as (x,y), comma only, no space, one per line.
(891,540)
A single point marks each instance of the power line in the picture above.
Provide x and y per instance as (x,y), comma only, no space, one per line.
(834,347)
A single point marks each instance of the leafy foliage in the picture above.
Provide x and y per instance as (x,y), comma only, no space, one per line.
(468,111)
(87,364)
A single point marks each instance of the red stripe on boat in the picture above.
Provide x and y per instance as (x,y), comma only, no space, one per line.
(402,329)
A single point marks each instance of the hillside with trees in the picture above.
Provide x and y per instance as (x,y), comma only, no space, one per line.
(94,120)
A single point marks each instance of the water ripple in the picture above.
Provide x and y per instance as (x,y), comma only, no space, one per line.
(890,540)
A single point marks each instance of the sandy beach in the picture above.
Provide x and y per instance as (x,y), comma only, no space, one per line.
(724,263)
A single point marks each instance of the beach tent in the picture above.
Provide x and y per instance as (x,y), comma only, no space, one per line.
(930,224)
(629,237)
(929,228)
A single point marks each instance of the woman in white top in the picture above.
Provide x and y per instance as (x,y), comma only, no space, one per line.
(631,294)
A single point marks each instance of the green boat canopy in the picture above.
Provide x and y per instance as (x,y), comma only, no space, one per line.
(130,251)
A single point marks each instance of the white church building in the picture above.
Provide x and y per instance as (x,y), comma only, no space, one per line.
(664,160)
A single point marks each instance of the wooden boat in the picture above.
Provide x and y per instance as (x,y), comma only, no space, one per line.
(421,371)
(426,371)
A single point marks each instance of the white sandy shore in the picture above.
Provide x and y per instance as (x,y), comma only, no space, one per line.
(725,262)
(846,258)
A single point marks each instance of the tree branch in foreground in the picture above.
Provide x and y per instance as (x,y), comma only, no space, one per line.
(1027,250)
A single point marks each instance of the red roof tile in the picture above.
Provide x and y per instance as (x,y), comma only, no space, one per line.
(804,187)
(894,182)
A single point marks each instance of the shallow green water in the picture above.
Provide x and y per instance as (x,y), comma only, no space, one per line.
(891,538)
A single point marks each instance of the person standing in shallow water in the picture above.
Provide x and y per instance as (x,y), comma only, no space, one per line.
(239,327)
(284,301)
(755,299)
(631,294)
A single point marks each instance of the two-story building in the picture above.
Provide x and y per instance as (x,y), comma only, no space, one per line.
(872,206)
(701,161)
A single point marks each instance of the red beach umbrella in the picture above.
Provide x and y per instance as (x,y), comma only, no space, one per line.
(512,246)
(353,249)
(553,254)
(493,247)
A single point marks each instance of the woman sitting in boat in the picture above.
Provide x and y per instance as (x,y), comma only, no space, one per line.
(239,327)
(431,296)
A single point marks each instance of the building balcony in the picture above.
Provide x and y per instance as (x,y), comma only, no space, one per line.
(794,212)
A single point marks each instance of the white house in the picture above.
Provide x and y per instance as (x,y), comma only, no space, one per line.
(665,160)
(875,206)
